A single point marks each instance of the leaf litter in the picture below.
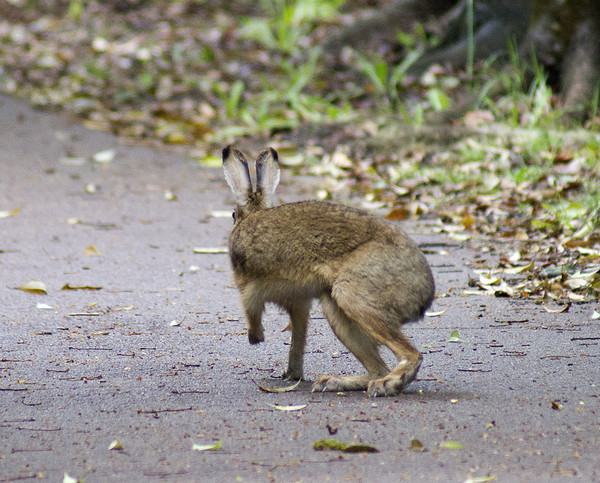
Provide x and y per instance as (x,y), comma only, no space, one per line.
(498,178)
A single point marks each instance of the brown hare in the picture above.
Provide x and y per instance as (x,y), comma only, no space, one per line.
(369,276)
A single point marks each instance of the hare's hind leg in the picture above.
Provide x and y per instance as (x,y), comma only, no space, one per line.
(299,312)
(363,346)
(375,317)
(409,361)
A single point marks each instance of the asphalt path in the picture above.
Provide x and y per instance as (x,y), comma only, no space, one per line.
(127,376)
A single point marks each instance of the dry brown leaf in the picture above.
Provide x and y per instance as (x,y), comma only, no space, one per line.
(398,213)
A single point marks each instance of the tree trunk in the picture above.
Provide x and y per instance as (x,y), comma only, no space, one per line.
(562,35)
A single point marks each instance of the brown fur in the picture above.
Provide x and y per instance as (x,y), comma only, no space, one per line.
(369,276)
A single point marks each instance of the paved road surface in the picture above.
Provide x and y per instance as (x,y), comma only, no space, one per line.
(520,393)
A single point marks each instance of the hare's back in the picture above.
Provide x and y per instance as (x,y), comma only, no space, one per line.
(312,230)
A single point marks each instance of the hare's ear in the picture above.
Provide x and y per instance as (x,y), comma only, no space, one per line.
(237,174)
(267,175)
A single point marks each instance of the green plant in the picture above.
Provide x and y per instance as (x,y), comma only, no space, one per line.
(386,81)
(287,22)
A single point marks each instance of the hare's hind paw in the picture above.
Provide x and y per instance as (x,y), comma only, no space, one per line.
(392,384)
(341,383)
(386,386)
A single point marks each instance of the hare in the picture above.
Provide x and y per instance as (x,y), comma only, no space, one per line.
(369,276)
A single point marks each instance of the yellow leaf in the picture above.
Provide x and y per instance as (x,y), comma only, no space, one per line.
(170,196)
(6,214)
(435,314)
(115,445)
(451,444)
(91,251)
(467,221)
(33,286)
(515,270)
(211,250)
(289,408)
(277,389)
(207,447)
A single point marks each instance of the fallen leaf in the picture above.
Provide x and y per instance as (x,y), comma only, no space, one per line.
(332,444)
(220,214)
(564,308)
(277,389)
(489,280)
(99,333)
(106,156)
(289,408)
(91,188)
(398,213)
(210,250)
(435,314)
(43,306)
(170,196)
(452,444)
(6,214)
(595,315)
(416,445)
(459,236)
(115,445)
(33,286)
(454,337)
(515,270)
(207,447)
(68,286)
(69,479)
(467,221)
(557,406)
(211,161)
(91,251)
(175,323)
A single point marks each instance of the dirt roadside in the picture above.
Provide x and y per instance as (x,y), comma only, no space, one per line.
(515,399)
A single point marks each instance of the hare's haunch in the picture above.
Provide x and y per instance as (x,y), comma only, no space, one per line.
(369,276)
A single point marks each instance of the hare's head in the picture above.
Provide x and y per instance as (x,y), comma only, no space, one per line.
(237,175)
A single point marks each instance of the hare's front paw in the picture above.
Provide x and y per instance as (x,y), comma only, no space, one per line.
(256,335)
(328,383)
(341,383)
(292,374)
